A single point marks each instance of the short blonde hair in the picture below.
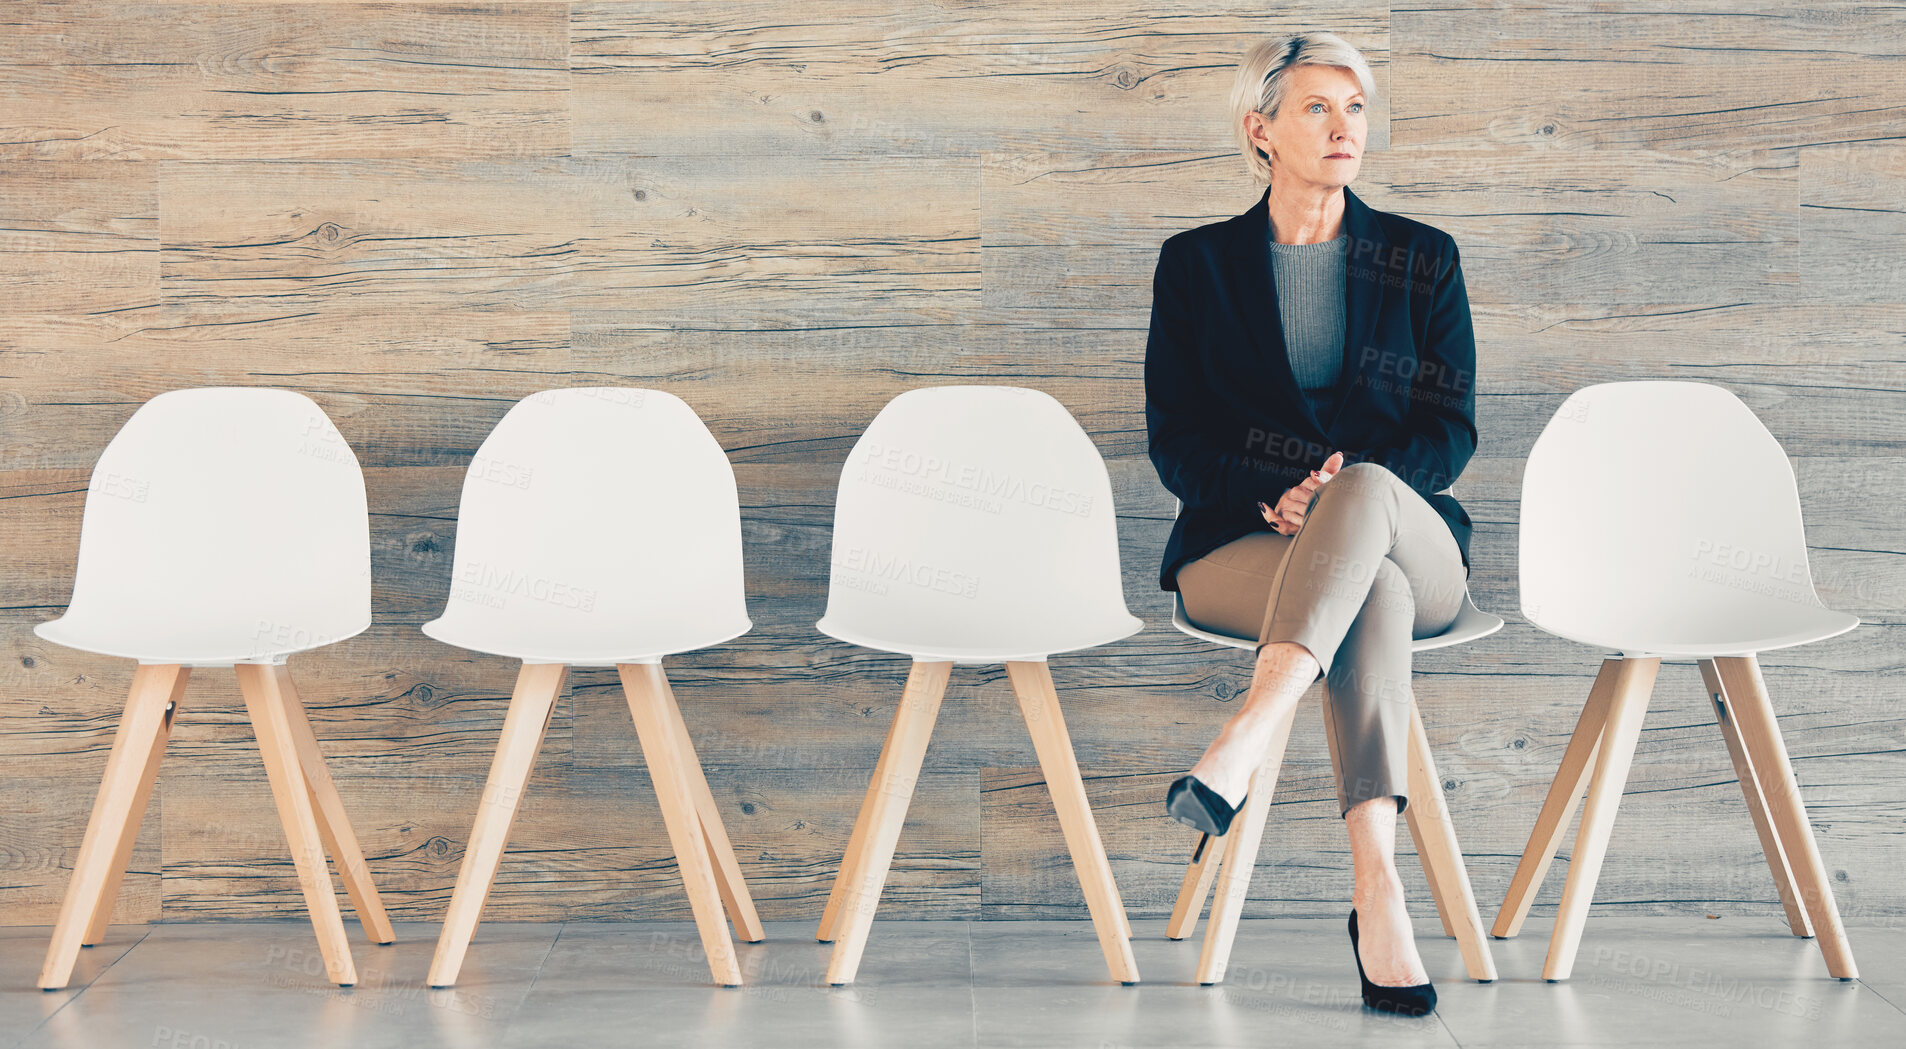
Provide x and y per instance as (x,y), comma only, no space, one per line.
(1263,77)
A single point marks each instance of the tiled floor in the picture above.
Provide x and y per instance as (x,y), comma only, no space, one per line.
(1684,982)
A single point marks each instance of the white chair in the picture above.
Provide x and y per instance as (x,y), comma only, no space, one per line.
(974,524)
(1660,521)
(1231,860)
(600,527)
(223,527)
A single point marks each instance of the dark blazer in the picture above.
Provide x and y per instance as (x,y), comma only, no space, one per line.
(1228,424)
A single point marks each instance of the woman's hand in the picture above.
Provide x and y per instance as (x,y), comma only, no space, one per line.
(1288,515)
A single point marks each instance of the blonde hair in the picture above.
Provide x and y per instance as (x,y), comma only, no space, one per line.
(1263,77)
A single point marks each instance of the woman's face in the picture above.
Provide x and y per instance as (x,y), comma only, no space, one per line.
(1322,114)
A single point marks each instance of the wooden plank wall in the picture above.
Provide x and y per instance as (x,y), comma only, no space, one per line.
(788,213)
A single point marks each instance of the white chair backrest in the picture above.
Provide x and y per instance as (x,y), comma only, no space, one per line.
(599,515)
(223,522)
(1651,506)
(976,522)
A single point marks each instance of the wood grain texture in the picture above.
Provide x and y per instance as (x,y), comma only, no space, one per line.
(1579,227)
(79,238)
(1709,75)
(788,214)
(129,81)
(604,232)
(926,78)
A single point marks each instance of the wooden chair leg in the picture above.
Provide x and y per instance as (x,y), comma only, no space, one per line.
(1628,703)
(1442,857)
(1746,695)
(735,898)
(116,812)
(258,683)
(1039,702)
(334,827)
(1205,860)
(1559,807)
(1411,815)
(537,686)
(857,841)
(1756,803)
(1240,859)
(893,786)
(122,852)
(644,687)
(1437,894)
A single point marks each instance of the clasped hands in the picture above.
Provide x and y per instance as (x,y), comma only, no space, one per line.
(1288,515)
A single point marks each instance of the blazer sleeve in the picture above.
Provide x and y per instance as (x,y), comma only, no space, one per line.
(1439,431)
(1194,461)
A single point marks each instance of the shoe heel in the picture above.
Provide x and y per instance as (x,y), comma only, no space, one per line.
(1192,803)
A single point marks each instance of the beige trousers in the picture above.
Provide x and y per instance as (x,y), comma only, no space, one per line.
(1373,568)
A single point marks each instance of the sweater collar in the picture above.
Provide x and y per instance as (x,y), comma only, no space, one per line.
(1254,288)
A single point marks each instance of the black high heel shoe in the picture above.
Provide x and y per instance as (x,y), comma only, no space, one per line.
(1191,802)
(1413,1000)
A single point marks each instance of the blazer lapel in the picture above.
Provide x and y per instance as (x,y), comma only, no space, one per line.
(1363,289)
(1253,289)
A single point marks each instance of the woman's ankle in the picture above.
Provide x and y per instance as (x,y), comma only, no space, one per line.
(1380,887)
(1285,659)
(1223,776)
(1240,748)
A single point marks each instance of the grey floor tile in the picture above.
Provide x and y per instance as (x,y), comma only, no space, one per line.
(1639,981)
(623,956)
(1880,952)
(23,1006)
(1682,981)
(603,981)
(246,984)
(1289,982)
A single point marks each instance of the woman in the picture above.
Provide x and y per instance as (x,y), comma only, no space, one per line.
(1309,397)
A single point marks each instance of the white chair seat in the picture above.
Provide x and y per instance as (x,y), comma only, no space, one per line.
(598,525)
(983,643)
(974,525)
(1738,630)
(1470,623)
(186,642)
(582,644)
(1713,562)
(222,525)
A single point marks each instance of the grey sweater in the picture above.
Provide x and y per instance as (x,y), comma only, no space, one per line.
(1310,303)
